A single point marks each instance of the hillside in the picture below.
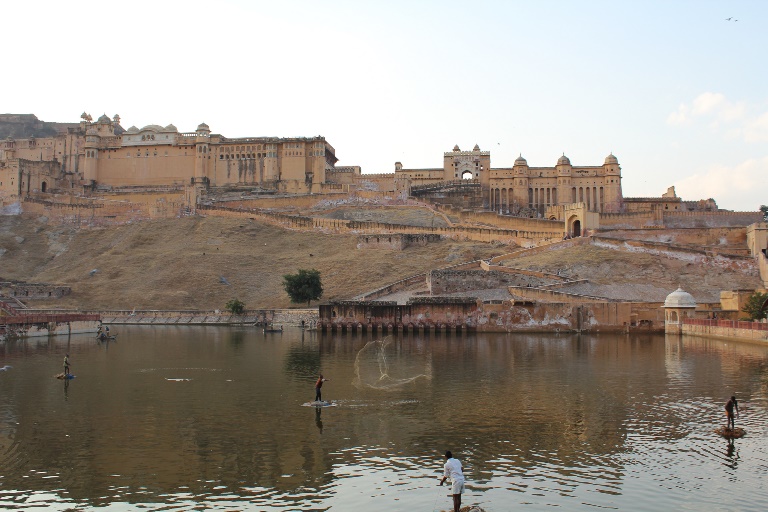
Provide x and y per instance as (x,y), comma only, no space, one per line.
(180,263)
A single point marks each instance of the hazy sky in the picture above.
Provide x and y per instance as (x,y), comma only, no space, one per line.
(678,93)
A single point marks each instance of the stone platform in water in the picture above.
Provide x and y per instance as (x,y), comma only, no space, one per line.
(731,433)
(319,404)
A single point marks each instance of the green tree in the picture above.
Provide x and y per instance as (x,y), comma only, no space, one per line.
(756,306)
(235,306)
(304,286)
(764,209)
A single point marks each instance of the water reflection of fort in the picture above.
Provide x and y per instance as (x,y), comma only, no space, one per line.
(509,403)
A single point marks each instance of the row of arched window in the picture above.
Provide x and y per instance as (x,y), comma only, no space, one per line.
(594,197)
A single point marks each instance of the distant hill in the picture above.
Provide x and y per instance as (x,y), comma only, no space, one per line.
(23,126)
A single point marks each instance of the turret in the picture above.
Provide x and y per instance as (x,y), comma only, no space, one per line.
(520,185)
(612,184)
(92,142)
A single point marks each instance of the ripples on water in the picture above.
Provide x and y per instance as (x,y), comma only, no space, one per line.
(209,419)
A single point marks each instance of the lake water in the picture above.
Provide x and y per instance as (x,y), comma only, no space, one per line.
(180,418)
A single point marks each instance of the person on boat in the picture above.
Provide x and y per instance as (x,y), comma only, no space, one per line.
(318,385)
(452,470)
(730,408)
(66,365)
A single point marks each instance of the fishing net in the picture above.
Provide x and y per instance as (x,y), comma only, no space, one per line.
(388,365)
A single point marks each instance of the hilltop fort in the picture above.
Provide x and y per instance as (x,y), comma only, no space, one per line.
(562,241)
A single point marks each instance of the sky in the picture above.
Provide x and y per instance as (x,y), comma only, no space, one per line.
(674,89)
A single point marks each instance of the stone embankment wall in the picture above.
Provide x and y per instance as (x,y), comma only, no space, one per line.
(466,314)
(726,329)
(285,317)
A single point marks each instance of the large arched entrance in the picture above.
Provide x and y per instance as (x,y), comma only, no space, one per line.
(576,229)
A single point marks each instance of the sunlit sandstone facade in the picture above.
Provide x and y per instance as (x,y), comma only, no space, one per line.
(509,189)
(102,154)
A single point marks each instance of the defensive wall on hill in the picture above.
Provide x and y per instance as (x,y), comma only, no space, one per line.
(346,226)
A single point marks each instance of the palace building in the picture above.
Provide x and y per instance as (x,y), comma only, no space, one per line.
(508,190)
(102,155)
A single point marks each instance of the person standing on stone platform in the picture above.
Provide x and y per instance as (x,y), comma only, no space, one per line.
(730,408)
(452,470)
(318,385)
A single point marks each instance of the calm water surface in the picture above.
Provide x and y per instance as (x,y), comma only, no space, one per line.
(170,418)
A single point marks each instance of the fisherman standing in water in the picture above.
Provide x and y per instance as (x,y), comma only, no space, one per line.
(730,407)
(453,471)
(318,385)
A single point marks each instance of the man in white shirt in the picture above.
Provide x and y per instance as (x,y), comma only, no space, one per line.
(453,471)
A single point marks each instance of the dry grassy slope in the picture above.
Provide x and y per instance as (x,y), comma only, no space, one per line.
(177,263)
(644,271)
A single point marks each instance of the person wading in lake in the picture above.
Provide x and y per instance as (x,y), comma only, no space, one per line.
(731,407)
(318,385)
(453,471)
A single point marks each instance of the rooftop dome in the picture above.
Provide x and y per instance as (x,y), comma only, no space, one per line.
(679,299)
(520,160)
(611,160)
(563,160)
(104,119)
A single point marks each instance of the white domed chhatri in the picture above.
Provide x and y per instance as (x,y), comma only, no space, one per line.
(680,299)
